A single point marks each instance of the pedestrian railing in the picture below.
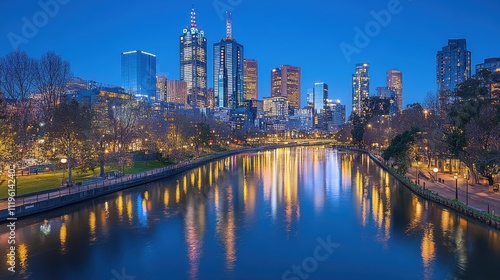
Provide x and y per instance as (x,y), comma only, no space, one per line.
(46,200)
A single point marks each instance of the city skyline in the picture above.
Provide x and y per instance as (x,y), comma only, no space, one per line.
(96,56)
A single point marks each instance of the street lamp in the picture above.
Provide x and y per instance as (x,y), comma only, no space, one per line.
(467,188)
(435,172)
(456,186)
(63,161)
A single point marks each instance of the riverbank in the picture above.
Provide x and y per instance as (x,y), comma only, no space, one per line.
(35,203)
(483,216)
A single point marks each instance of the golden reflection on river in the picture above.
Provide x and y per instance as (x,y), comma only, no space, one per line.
(278,188)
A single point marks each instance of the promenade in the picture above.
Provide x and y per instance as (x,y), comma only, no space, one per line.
(479,196)
(46,200)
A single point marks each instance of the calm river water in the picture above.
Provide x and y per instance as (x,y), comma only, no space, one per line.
(291,213)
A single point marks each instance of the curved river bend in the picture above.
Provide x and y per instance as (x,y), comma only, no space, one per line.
(291,213)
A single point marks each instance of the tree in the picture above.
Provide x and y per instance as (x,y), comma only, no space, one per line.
(51,75)
(399,149)
(7,145)
(358,131)
(488,165)
(70,131)
(482,136)
(17,83)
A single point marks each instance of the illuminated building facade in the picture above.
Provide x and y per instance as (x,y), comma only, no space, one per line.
(176,91)
(360,89)
(395,83)
(139,74)
(453,65)
(228,70)
(250,79)
(285,81)
(320,93)
(193,63)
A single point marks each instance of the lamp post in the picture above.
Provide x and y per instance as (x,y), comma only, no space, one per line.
(435,172)
(63,161)
(456,186)
(467,188)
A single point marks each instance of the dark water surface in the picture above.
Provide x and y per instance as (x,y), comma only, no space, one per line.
(291,213)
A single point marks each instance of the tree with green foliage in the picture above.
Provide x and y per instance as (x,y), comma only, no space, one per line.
(358,131)
(400,149)
(473,134)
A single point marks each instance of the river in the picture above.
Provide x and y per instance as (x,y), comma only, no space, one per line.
(290,213)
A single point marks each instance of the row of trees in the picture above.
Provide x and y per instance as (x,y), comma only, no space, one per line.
(30,90)
(463,124)
(38,119)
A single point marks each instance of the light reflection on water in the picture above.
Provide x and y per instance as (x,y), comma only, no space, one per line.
(254,216)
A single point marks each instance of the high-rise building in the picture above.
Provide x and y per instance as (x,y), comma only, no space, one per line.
(276,106)
(176,92)
(395,83)
(385,92)
(490,64)
(453,65)
(228,70)
(250,79)
(161,87)
(139,74)
(210,98)
(285,81)
(193,63)
(310,98)
(334,112)
(360,89)
(320,93)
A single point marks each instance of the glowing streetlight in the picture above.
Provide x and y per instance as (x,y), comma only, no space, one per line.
(63,161)
(435,172)
(466,177)
(456,186)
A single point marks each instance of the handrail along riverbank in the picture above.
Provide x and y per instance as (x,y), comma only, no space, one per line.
(477,214)
(34,203)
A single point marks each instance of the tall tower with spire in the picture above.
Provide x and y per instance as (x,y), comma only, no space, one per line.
(193,62)
(228,70)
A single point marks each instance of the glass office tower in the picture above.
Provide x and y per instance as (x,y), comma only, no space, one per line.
(139,74)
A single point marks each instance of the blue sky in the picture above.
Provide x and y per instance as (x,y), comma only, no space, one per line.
(91,35)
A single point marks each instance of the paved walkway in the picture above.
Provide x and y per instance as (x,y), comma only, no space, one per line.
(46,195)
(479,197)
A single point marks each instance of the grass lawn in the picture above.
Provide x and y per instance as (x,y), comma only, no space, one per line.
(50,180)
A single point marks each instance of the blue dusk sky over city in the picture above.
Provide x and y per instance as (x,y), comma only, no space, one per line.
(309,34)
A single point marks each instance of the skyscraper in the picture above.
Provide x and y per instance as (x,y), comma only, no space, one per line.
(360,89)
(228,70)
(176,91)
(161,87)
(453,65)
(250,79)
(193,63)
(320,92)
(285,81)
(490,64)
(395,83)
(139,74)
